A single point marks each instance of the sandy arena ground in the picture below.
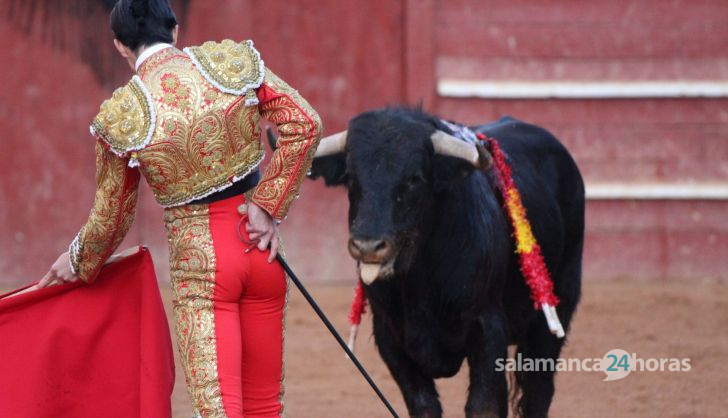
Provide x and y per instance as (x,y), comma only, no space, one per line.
(653,319)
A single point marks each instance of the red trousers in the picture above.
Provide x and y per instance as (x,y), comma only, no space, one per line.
(229,309)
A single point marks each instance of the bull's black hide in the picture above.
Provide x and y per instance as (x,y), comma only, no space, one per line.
(453,289)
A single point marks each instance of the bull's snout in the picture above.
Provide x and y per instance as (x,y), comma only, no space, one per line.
(374,251)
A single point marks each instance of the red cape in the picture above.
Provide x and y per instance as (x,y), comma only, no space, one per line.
(88,351)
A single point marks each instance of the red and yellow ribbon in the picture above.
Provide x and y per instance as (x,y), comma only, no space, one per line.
(530,258)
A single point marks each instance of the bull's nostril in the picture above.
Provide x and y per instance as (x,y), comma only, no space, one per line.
(354,248)
(371,251)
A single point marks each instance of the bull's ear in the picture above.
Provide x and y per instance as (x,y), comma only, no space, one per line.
(448,170)
(331,167)
(329,161)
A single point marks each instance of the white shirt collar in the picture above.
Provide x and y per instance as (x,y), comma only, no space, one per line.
(149,52)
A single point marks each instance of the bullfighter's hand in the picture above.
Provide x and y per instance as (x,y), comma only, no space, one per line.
(262,228)
(60,272)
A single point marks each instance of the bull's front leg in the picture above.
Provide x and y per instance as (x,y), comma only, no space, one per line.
(488,392)
(418,389)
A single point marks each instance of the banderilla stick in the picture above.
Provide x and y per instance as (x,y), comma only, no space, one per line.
(336,335)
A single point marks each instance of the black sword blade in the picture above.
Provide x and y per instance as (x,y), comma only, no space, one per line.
(336,335)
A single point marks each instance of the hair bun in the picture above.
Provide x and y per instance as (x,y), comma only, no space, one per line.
(139,8)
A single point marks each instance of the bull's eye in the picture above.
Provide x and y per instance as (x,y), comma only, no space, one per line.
(415,181)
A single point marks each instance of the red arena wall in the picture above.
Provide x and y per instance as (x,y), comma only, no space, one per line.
(650,142)
(637,90)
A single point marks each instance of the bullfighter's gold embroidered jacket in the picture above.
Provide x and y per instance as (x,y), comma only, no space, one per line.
(189,123)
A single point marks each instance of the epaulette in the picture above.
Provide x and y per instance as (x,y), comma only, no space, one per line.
(127,120)
(232,67)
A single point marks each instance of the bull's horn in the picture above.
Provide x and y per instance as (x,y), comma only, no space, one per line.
(446,144)
(332,144)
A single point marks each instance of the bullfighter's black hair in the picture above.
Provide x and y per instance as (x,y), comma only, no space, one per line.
(143,22)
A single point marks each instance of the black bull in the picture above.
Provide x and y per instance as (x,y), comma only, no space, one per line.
(447,284)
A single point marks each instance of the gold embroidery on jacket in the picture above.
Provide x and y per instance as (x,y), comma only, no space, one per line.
(126,120)
(204,139)
(192,266)
(232,67)
(299,128)
(111,216)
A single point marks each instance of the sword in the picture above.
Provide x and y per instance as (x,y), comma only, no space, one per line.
(336,335)
(323,318)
